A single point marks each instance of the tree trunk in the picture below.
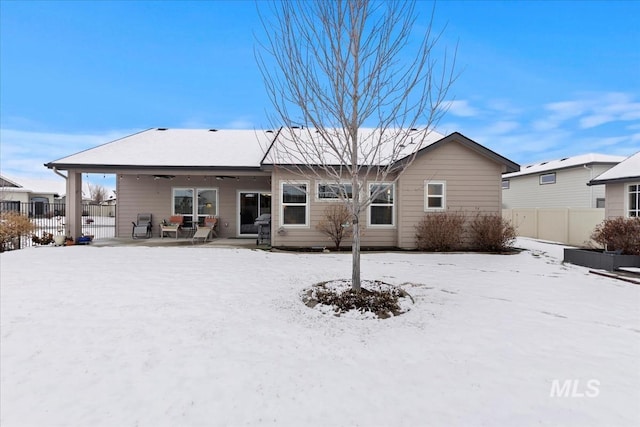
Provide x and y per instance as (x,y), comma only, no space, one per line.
(355,255)
(355,248)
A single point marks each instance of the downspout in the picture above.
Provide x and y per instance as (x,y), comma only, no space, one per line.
(57,172)
(591,204)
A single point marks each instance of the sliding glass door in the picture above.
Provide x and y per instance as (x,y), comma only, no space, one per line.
(252,204)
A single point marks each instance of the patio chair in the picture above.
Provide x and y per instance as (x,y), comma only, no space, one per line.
(204,231)
(142,227)
(173,226)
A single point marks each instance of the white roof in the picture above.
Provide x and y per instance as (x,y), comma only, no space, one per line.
(566,162)
(33,185)
(376,147)
(204,148)
(178,147)
(629,168)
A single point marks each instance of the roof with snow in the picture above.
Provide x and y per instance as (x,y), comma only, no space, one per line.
(626,170)
(168,148)
(311,146)
(54,186)
(566,162)
(183,149)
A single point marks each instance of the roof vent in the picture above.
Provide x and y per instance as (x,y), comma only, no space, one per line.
(543,163)
(213,130)
(268,131)
(562,160)
(162,128)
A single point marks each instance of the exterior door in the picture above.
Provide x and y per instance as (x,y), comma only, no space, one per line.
(251,205)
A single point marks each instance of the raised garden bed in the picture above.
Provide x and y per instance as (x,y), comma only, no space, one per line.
(600,260)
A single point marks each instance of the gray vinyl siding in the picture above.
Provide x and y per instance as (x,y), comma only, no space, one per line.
(472,185)
(617,199)
(569,191)
(288,236)
(149,195)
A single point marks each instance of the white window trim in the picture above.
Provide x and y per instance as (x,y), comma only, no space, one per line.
(426,196)
(627,190)
(507,182)
(195,195)
(393,205)
(335,199)
(282,205)
(547,174)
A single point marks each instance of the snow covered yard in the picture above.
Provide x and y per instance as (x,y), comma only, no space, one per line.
(195,336)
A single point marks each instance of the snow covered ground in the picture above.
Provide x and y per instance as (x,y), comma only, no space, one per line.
(210,336)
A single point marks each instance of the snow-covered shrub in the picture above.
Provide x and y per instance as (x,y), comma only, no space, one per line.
(491,232)
(440,231)
(619,234)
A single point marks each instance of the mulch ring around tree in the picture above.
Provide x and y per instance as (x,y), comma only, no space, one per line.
(376,299)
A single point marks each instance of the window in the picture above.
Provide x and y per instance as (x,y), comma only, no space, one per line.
(548,178)
(600,202)
(435,196)
(295,203)
(195,204)
(634,201)
(381,208)
(505,184)
(332,191)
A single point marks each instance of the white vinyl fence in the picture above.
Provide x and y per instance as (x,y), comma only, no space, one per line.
(571,226)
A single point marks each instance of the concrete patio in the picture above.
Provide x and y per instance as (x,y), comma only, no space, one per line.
(173,242)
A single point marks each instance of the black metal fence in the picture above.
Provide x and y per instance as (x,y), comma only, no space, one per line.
(98,221)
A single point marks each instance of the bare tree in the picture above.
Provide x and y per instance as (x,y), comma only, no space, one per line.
(334,67)
(97,193)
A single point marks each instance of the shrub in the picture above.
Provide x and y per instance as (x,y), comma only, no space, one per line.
(365,300)
(46,239)
(491,233)
(440,231)
(619,234)
(12,226)
(333,223)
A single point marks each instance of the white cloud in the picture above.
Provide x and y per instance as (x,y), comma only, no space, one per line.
(594,120)
(24,153)
(502,127)
(594,109)
(591,122)
(461,109)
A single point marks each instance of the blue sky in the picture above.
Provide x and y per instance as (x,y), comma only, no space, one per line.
(539,80)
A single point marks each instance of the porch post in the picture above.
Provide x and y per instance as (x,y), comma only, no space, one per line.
(73,205)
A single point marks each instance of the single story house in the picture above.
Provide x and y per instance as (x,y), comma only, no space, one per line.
(559,183)
(31,196)
(622,188)
(237,175)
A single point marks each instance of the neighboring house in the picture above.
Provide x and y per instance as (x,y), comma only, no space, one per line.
(558,183)
(32,196)
(622,188)
(236,175)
